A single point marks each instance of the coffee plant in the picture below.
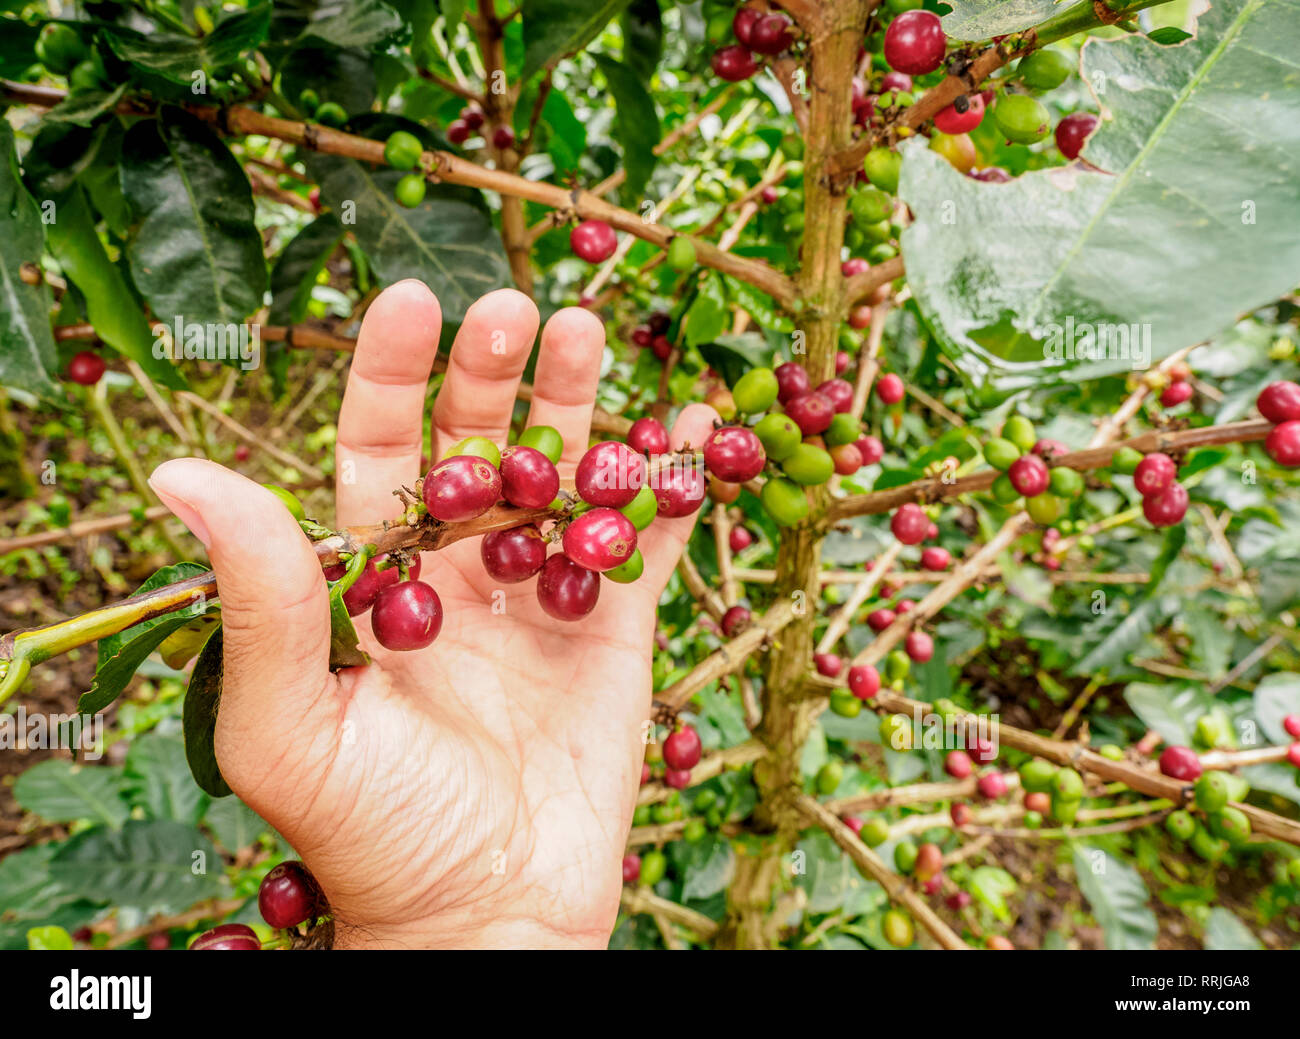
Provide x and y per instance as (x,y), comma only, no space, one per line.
(948,363)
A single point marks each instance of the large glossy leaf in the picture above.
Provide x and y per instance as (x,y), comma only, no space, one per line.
(554,28)
(1276,696)
(61,792)
(234,824)
(1118,898)
(636,126)
(161,865)
(1168,246)
(1118,642)
(158,780)
(643,37)
(354,23)
(110,304)
(446,242)
(345,77)
(202,700)
(30,896)
(17,41)
(175,58)
(296,268)
(984,19)
(1223,930)
(1168,709)
(195,252)
(27,354)
(121,654)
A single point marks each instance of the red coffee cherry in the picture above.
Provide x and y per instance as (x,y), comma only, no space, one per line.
(864,681)
(914,43)
(871,449)
(1176,393)
(631,869)
(953,120)
(1291,723)
(86,368)
(842,361)
(742,25)
(890,389)
(983,751)
(1167,508)
(827,664)
(473,115)
(900,82)
(847,459)
(677,778)
(961,814)
(1049,449)
(929,861)
(1293,754)
(288,895)
(528,478)
(919,646)
(1279,401)
(1038,802)
(227,937)
(733,63)
(458,131)
(860,316)
(461,488)
(740,539)
(909,524)
(1073,131)
(734,454)
(854,265)
(361,596)
(406,616)
(1180,763)
(811,412)
(1283,444)
(682,749)
(679,490)
(879,620)
(1029,475)
(992,785)
(1154,474)
(791,381)
(958,900)
(839,392)
(600,539)
(936,559)
(502,138)
(610,474)
(772,35)
(649,436)
(593,241)
(735,620)
(565,590)
(958,764)
(513,555)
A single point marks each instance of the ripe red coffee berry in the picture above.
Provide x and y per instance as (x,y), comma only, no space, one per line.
(864,681)
(1073,131)
(951,120)
(733,63)
(936,559)
(860,316)
(960,814)
(871,449)
(600,539)
(958,900)
(458,131)
(679,490)
(610,474)
(909,523)
(1176,393)
(914,43)
(1283,444)
(373,580)
(772,35)
(242,453)
(513,555)
(791,381)
(839,392)
(958,764)
(473,115)
(1180,763)
(734,454)
(1038,802)
(735,620)
(646,773)
(879,620)
(742,25)
(847,459)
(1279,401)
(86,368)
(1154,474)
(661,347)
(565,590)
(854,265)
(288,895)
(1029,475)
(406,616)
(593,241)
(931,532)
(631,869)
(842,361)
(739,539)
(827,664)
(1293,754)
(502,138)
(649,436)
(1291,723)
(528,478)
(889,389)
(1167,508)
(900,82)
(682,748)
(461,488)
(992,785)
(919,646)
(904,606)
(228,937)
(983,751)
(677,778)
(1049,449)
(811,412)
(854,823)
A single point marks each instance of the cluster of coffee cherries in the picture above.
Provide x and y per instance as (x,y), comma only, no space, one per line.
(758,35)
(652,335)
(1024,461)
(470,121)
(1279,402)
(288,896)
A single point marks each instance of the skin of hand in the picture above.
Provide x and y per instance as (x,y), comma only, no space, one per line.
(478,792)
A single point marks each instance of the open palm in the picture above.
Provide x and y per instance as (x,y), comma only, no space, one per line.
(477,792)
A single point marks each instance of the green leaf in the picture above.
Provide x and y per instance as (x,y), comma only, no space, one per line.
(1276,696)
(1118,898)
(830,878)
(110,303)
(643,37)
(991,886)
(175,58)
(29,897)
(294,275)
(202,699)
(83,108)
(708,868)
(344,649)
(159,865)
(1004,272)
(1167,35)
(27,353)
(984,19)
(1169,709)
(356,23)
(1119,641)
(234,824)
(121,654)
(49,939)
(61,792)
(158,779)
(636,127)
(707,317)
(196,252)
(17,47)
(731,356)
(566,140)
(345,77)
(554,28)
(1175,539)
(1223,931)
(446,242)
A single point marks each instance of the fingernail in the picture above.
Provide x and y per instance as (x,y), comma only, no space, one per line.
(186,513)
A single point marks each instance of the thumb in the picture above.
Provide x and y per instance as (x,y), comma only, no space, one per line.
(274,604)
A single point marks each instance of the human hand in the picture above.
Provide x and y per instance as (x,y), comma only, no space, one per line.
(479,791)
